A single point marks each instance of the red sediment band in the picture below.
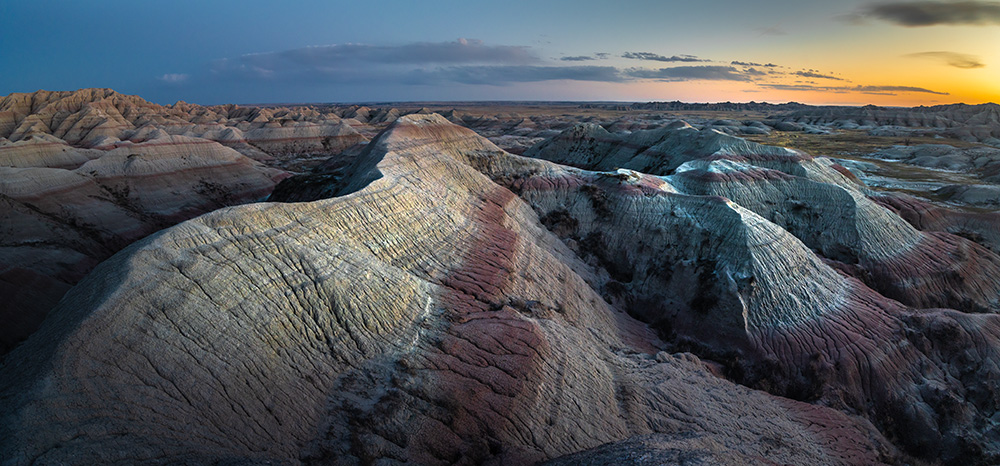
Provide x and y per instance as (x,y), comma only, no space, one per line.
(929,217)
(489,357)
(140,145)
(56,191)
(849,341)
(491,258)
(942,271)
(351,139)
(37,144)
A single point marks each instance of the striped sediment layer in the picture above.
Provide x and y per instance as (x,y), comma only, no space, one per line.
(101,118)
(59,223)
(458,304)
(87,172)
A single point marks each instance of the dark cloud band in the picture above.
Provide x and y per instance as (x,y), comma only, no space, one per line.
(691,73)
(656,57)
(500,75)
(815,75)
(460,51)
(930,13)
(881,90)
(750,63)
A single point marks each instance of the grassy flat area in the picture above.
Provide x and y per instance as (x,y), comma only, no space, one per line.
(845,142)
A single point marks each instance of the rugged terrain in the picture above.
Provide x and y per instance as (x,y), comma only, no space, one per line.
(622,292)
(85,173)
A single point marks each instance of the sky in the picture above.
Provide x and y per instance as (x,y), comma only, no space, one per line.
(853,52)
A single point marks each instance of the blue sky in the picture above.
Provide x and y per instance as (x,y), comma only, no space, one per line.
(309,51)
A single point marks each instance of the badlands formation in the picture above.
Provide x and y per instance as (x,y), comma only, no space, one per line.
(84,174)
(639,290)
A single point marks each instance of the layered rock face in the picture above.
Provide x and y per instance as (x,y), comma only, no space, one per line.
(101,118)
(83,174)
(453,303)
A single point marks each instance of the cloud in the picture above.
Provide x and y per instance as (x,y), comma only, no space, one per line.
(958,60)
(878,90)
(656,57)
(468,51)
(750,63)
(463,61)
(595,56)
(896,89)
(805,87)
(856,18)
(174,78)
(499,75)
(931,13)
(772,31)
(814,74)
(690,73)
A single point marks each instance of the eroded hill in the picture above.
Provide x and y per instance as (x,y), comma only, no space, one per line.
(681,293)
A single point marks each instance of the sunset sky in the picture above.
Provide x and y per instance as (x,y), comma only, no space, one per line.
(848,52)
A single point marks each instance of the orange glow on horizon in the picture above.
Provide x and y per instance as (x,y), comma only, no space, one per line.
(975,87)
